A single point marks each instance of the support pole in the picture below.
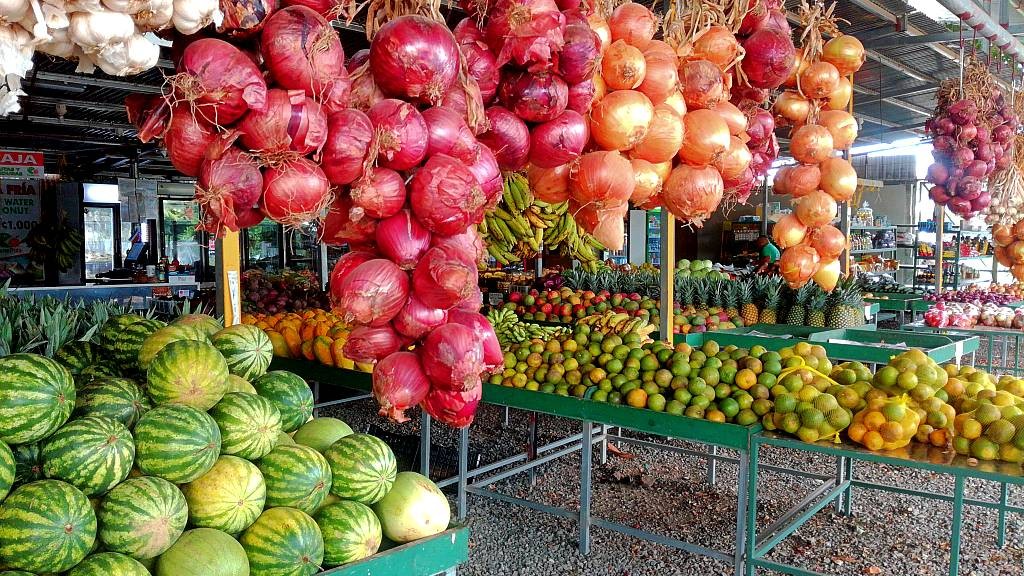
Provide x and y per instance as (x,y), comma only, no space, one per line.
(229,278)
(668,266)
(940,229)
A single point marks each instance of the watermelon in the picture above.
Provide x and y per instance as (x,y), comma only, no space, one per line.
(415,508)
(117,398)
(101,369)
(203,322)
(28,463)
(190,373)
(284,542)
(203,552)
(249,425)
(164,336)
(290,393)
(229,497)
(77,356)
(176,443)
(8,470)
(351,532)
(93,453)
(142,517)
(46,526)
(127,344)
(238,384)
(320,433)
(246,348)
(283,439)
(37,396)
(296,476)
(113,329)
(109,564)
(363,468)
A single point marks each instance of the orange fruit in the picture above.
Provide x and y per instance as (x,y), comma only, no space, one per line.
(873,420)
(938,437)
(714,416)
(872,440)
(745,379)
(637,398)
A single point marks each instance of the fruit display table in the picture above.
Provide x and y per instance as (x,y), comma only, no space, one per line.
(1007,341)
(439,554)
(900,305)
(839,492)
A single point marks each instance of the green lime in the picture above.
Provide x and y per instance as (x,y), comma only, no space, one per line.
(656,402)
(675,407)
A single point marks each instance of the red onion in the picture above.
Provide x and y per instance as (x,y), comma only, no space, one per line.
(248,217)
(456,409)
(963,112)
(303,52)
(468,242)
(962,157)
(473,303)
(981,202)
(534,97)
(365,92)
(982,135)
(559,141)
(943,143)
(960,206)
(969,188)
(777,21)
(755,18)
(939,194)
(1003,162)
(446,198)
(371,344)
(402,239)
(770,57)
(230,182)
(373,293)
(1002,134)
(291,122)
(494,358)
(349,133)
(488,175)
(581,96)
(339,227)
(444,277)
(944,126)
(467,32)
(294,192)
(399,383)
(379,194)
(984,153)
(452,357)
(938,173)
(448,134)
(220,80)
(578,58)
(415,58)
(967,133)
(346,264)
(760,126)
(401,134)
(416,319)
(977,169)
(329,9)
(149,113)
(358,59)
(507,137)
(525,32)
(243,18)
(187,139)
(481,65)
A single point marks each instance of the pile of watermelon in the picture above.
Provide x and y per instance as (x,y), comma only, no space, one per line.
(196,459)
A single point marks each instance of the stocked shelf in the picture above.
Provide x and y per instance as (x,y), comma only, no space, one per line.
(873,251)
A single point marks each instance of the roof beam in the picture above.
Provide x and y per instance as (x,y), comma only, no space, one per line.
(889,129)
(894,101)
(902,40)
(112,126)
(94,81)
(85,104)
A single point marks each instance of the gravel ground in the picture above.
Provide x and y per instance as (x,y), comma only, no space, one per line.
(667,493)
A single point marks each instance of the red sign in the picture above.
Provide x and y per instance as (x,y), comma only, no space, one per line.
(21,164)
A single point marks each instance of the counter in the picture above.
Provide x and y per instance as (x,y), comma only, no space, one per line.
(136,295)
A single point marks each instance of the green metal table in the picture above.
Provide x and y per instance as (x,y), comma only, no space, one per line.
(898,304)
(839,491)
(1009,362)
(440,554)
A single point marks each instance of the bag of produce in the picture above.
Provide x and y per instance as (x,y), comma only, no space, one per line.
(991,432)
(912,372)
(885,424)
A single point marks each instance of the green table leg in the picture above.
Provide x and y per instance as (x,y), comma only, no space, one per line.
(751,542)
(585,486)
(989,344)
(1004,501)
(958,513)
(848,496)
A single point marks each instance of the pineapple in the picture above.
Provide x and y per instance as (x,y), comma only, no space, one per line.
(816,309)
(732,296)
(772,300)
(684,289)
(701,294)
(716,291)
(797,314)
(749,310)
(852,307)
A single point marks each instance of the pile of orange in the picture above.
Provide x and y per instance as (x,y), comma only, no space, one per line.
(313,334)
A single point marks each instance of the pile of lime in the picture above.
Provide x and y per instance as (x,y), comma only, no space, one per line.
(913,373)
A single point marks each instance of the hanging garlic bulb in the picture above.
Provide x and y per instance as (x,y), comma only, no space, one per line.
(35,23)
(131,57)
(12,11)
(15,62)
(155,18)
(60,44)
(127,6)
(86,64)
(55,15)
(191,16)
(83,6)
(94,31)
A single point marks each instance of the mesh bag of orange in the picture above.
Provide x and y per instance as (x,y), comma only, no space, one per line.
(885,424)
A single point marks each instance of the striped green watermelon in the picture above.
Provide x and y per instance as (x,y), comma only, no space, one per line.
(128,343)
(320,433)
(117,398)
(37,396)
(246,348)
(204,322)
(190,373)
(363,468)
(93,453)
(101,369)
(204,552)
(229,497)
(107,336)
(351,532)
(290,393)
(164,336)
(46,526)
(28,463)
(249,425)
(238,384)
(296,476)
(8,470)
(77,356)
(109,564)
(283,542)
(176,443)
(142,517)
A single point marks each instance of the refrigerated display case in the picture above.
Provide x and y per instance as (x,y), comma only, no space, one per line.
(654,237)
(179,239)
(261,247)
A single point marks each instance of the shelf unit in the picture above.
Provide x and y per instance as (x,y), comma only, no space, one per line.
(951,279)
(866,251)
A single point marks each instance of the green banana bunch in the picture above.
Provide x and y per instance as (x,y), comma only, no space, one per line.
(511,330)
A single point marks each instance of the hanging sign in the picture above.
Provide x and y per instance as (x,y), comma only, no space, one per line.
(21,164)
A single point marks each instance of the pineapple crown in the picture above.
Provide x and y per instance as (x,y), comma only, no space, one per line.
(731,295)
(744,290)
(773,292)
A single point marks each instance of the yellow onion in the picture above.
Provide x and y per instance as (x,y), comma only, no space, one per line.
(602,179)
(840,98)
(623,66)
(621,119)
(792,107)
(842,125)
(702,84)
(664,137)
(780,185)
(788,231)
(662,77)
(1016,251)
(846,53)
(648,182)
(663,169)
(1018,271)
(705,137)
(659,47)
(829,242)
(549,184)
(803,179)
(811,144)
(735,160)
(633,23)
(600,89)
(1002,235)
(1003,256)
(816,209)
(838,179)
(717,45)
(827,275)
(693,193)
(733,116)
(819,80)
(600,27)
(799,65)
(676,101)
(798,264)
(1018,230)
